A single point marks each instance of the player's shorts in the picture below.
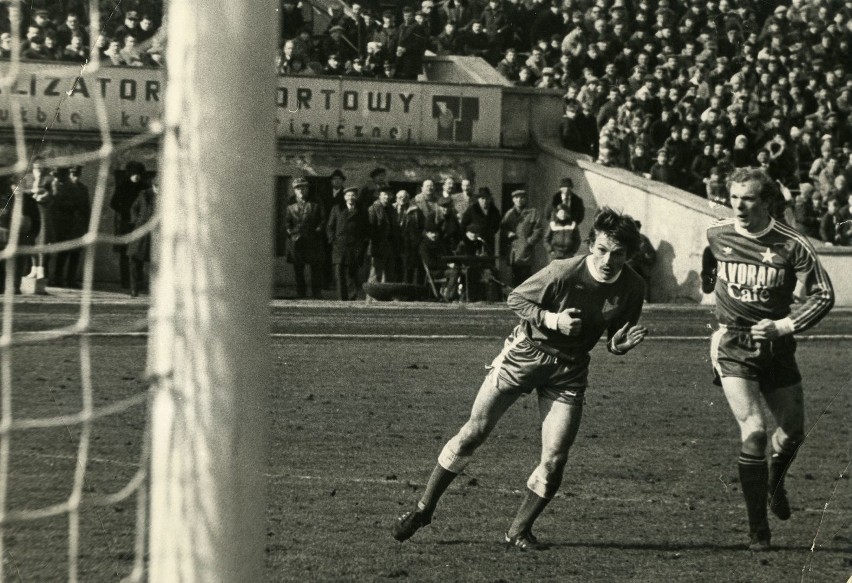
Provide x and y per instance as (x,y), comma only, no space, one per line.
(522,367)
(770,362)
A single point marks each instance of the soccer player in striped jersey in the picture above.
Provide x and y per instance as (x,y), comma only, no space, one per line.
(759,260)
(565,309)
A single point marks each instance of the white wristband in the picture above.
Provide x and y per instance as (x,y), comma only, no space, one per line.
(785,326)
(551,320)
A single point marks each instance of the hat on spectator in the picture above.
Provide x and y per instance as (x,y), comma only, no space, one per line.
(795,132)
(351,189)
(547,71)
(408,9)
(483,192)
(299,182)
(336,28)
(132,15)
(42,12)
(780,9)
(420,13)
(387,14)
(566,182)
(473,228)
(339,173)
(377,171)
(519,193)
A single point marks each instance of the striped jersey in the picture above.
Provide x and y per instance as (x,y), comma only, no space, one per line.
(568,283)
(756,275)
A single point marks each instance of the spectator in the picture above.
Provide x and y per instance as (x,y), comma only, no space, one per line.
(522,230)
(387,36)
(482,215)
(566,196)
(661,170)
(338,46)
(130,54)
(75,51)
(128,186)
(832,229)
(383,222)
(526,77)
(130,26)
(51,51)
(39,187)
(431,252)
(289,63)
(410,225)
(139,251)
(356,30)
(411,45)
(147,29)
(41,18)
(305,222)
(548,80)
(451,231)
(347,231)
(475,43)
(5,47)
(427,202)
(644,260)
(11,195)
(69,29)
(509,67)
(71,212)
(715,188)
(463,198)
(34,50)
(111,55)
(840,191)
(562,237)
(807,211)
(825,181)
(447,43)
(370,191)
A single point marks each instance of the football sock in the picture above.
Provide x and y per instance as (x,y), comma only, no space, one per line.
(531,507)
(440,479)
(753,480)
(782,458)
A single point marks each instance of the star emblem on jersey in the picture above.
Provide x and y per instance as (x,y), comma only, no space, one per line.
(766,256)
(727,250)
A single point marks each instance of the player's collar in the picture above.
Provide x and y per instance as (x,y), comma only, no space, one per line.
(749,234)
(590,265)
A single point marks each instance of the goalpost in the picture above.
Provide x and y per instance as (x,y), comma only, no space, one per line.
(210,327)
(200,486)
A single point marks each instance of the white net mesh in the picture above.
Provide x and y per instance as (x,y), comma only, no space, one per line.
(74,416)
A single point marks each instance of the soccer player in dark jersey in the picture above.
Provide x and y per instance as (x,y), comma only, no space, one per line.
(758,260)
(565,308)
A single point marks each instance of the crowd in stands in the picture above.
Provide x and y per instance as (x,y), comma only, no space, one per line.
(59,31)
(678,92)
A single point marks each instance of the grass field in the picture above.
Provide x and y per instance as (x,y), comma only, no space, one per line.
(364,398)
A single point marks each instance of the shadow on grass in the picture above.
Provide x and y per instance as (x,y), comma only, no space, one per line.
(649,546)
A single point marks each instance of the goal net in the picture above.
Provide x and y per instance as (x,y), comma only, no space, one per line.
(131,436)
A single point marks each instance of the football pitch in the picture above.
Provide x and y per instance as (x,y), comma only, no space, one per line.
(363,398)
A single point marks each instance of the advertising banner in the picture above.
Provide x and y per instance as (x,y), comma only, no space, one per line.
(349,109)
(322,109)
(59,97)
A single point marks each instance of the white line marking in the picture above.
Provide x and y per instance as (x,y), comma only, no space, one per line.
(332,336)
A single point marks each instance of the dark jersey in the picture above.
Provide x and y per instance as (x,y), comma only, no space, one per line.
(568,283)
(756,276)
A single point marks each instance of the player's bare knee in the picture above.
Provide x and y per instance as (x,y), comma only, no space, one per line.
(554,464)
(471,436)
(754,441)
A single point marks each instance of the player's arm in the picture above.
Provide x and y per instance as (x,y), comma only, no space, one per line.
(624,332)
(528,301)
(819,298)
(708,271)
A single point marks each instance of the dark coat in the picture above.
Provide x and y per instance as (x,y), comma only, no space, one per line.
(575,205)
(411,223)
(383,225)
(122,199)
(45,233)
(486,222)
(562,239)
(304,224)
(527,231)
(140,212)
(30,221)
(71,210)
(348,231)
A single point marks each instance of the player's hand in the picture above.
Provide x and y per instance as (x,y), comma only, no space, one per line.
(628,337)
(569,323)
(765,330)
